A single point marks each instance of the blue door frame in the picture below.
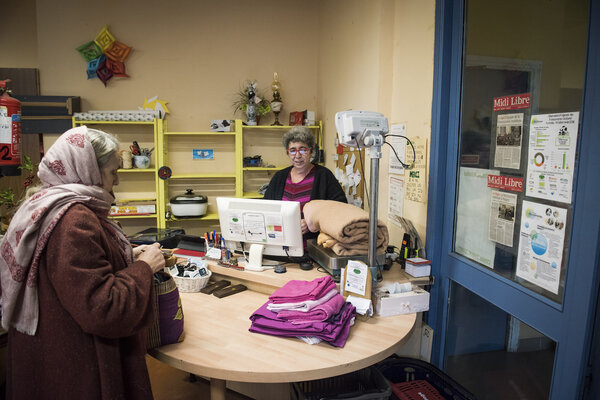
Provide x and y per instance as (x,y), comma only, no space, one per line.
(570,324)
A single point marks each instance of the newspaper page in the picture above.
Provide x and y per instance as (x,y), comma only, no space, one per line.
(472,216)
(541,243)
(502,217)
(509,134)
(416,178)
(551,156)
(398,145)
(396,199)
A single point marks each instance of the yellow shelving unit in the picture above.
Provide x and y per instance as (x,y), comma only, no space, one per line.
(223,174)
(135,181)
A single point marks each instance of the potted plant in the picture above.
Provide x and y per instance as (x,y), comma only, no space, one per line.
(251,95)
(8,202)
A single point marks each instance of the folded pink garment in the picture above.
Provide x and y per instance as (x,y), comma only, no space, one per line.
(296,291)
(303,306)
(320,312)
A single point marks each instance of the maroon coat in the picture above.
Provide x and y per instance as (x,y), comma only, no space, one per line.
(94,311)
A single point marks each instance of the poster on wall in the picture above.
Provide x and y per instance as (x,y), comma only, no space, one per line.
(502,217)
(398,145)
(551,156)
(396,199)
(541,244)
(509,134)
(472,216)
(416,178)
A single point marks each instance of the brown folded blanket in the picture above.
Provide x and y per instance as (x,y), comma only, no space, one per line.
(346,227)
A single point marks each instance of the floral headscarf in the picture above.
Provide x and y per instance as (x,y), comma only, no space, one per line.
(70,174)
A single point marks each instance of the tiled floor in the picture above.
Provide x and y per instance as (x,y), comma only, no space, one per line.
(172,384)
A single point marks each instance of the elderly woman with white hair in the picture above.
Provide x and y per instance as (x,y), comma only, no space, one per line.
(76,298)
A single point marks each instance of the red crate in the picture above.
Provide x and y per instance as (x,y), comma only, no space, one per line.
(415,390)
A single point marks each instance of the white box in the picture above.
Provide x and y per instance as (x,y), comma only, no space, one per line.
(418,267)
(388,304)
(417,270)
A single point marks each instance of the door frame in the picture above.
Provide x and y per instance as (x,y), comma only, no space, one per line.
(570,324)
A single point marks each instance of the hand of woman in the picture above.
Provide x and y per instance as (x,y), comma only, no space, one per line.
(152,255)
(303,226)
(139,250)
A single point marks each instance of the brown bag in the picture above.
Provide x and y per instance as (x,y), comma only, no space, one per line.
(168,313)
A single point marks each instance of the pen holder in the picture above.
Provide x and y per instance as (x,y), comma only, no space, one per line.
(141,162)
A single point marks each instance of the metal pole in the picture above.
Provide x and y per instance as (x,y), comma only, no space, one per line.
(375,155)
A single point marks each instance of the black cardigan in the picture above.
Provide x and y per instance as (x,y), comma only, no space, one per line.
(325,186)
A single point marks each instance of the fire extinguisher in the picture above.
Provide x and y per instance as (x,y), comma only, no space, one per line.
(10,132)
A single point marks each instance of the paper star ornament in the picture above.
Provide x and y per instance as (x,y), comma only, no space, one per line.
(104,38)
(155,104)
(89,51)
(117,51)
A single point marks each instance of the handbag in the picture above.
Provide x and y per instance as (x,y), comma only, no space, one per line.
(167,327)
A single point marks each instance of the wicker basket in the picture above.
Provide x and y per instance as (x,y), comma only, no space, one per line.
(185,284)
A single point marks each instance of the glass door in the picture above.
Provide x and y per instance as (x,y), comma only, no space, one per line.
(514,301)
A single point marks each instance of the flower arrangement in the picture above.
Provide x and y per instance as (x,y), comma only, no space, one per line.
(240,103)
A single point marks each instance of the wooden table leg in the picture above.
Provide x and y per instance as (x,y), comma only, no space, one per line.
(217,389)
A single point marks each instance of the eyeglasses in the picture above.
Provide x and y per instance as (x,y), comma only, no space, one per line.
(301,150)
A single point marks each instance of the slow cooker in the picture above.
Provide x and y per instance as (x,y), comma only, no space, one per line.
(188,205)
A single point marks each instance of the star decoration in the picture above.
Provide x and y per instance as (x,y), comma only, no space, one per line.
(105,57)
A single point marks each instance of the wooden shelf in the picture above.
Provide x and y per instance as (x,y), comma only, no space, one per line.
(200,133)
(269,127)
(207,217)
(133,216)
(86,122)
(262,168)
(135,170)
(195,176)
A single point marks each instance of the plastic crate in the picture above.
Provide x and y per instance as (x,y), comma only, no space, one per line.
(404,369)
(415,390)
(364,384)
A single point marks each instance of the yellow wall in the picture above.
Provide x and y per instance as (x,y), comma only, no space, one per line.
(331,55)
(378,56)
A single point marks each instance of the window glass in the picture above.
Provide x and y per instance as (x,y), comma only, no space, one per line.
(522,90)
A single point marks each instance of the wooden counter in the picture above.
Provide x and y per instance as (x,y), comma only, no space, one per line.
(219,346)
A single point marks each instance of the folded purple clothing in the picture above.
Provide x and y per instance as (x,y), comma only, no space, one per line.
(296,291)
(335,333)
(320,312)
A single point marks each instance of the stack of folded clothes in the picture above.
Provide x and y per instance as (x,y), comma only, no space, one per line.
(344,228)
(311,310)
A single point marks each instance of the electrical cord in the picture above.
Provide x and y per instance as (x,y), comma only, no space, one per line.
(407,166)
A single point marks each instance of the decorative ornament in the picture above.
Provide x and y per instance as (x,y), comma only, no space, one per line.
(164,172)
(90,51)
(276,104)
(105,57)
(117,67)
(104,74)
(251,106)
(155,104)
(104,38)
(93,65)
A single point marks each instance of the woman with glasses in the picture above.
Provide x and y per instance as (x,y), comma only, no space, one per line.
(303,181)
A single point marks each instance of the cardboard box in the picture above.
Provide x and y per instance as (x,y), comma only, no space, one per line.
(388,304)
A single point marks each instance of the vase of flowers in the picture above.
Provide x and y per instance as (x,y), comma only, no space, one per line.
(250,101)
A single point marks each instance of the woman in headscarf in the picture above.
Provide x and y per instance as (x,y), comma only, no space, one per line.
(76,299)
